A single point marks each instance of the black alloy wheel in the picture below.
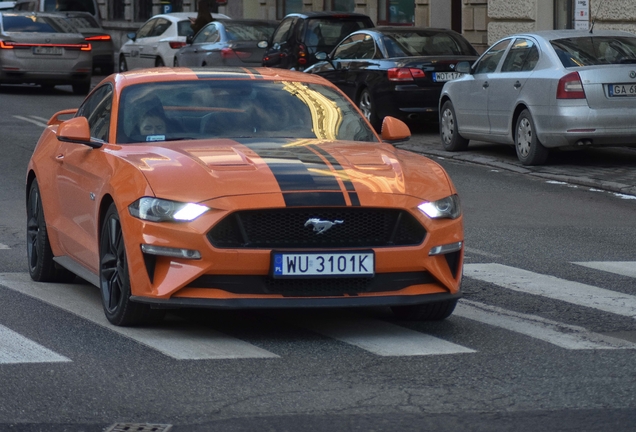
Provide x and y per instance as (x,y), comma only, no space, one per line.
(367,106)
(448,131)
(530,151)
(425,312)
(114,279)
(42,268)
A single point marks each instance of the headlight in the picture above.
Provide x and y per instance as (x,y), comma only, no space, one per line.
(160,210)
(445,208)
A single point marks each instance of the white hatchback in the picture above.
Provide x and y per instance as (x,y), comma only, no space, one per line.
(157,41)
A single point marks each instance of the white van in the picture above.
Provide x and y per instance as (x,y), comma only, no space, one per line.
(89,6)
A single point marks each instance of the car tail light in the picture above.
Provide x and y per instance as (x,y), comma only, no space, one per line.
(103,37)
(405,74)
(176,44)
(12,45)
(86,47)
(302,54)
(570,87)
(6,45)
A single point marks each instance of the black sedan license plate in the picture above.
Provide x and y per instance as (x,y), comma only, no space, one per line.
(446,76)
(622,90)
(320,264)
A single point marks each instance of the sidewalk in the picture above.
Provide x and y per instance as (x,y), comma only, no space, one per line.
(610,169)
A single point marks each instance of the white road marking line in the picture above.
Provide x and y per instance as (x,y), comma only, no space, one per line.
(552,287)
(15,348)
(559,334)
(623,268)
(4,246)
(45,120)
(189,342)
(35,122)
(383,338)
(480,252)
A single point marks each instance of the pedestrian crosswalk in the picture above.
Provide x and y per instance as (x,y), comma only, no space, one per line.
(184,340)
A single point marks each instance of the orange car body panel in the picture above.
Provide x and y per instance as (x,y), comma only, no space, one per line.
(77,182)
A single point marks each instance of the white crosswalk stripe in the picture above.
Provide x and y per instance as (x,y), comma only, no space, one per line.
(15,348)
(623,268)
(552,287)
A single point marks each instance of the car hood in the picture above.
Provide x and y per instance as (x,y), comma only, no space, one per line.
(201,170)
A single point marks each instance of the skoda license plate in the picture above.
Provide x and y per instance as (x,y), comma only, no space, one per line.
(622,90)
(445,76)
(319,264)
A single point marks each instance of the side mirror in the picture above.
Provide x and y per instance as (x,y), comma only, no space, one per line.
(76,130)
(132,36)
(321,56)
(189,39)
(55,119)
(463,67)
(262,44)
(394,130)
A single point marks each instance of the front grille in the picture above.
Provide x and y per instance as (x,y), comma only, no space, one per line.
(285,228)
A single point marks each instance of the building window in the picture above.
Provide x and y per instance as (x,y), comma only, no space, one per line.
(143,10)
(563,14)
(396,12)
(284,7)
(116,10)
(340,5)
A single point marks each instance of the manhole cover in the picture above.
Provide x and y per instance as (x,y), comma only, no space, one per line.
(138,427)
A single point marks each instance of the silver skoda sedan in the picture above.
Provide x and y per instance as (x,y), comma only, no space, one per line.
(545,90)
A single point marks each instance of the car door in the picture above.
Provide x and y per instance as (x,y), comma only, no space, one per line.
(362,61)
(342,56)
(192,55)
(135,46)
(148,47)
(470,97)
(507,85)
(279,47)
(79,181)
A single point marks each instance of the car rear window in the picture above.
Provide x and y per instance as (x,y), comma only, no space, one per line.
(204,109)
(83,22)
(595,50)
(35,24)
(183,28)
(323,34)
(248,31)
(427,43)
(70,5)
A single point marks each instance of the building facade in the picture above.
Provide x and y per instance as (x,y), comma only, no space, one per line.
(482,22)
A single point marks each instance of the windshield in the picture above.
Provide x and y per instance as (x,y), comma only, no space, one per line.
(595,50)
(202,109)
(249,31)
(426,43)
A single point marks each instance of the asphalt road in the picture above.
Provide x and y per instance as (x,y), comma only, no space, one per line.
(544,338)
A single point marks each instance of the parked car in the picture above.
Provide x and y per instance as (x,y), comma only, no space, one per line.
(561,89)
(300,36)
(43,48)
(101,42)
(395,71)
(157,41)
(89,6)
(226,43)
(239,188)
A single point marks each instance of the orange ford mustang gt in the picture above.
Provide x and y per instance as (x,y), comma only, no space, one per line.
(239,188)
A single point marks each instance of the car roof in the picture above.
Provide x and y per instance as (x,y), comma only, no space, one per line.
(141,76)
(403,29)
(327,14)
(179,16)
(561,34)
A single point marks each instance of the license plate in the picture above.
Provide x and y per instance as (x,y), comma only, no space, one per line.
(317,264)
(47,50)
(622,90)
(446,76)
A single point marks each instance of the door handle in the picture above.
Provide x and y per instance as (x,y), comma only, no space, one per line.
(517,85)
(486,85)
(59,158)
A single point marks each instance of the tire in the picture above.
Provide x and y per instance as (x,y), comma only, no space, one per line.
(530,151)
(114,279)
(425,312)
(82,88)
(448,131)
(42,268)
(123,66)
(159,62)
(175,62)
(367,106)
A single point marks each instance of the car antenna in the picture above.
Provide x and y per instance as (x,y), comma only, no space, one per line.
(596,15)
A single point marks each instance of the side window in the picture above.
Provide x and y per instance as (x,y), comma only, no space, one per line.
(489,61)
(160,27)
(146,29)
(523,56)
(97,110)
(346,49)
(367,48)
(359,46)
(208,34)
(283,31)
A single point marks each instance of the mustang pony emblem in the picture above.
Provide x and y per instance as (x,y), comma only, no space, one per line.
(320,226)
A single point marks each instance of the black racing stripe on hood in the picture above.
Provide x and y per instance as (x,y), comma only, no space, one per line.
(353,195)
(295,168)
(310,199)
(257,74)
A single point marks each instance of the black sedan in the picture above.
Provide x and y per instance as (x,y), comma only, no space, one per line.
(395,71)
